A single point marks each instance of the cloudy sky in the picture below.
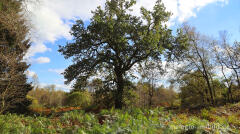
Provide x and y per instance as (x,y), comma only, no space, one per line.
(52,20)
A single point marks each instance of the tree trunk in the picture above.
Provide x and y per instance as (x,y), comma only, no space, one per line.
(230,93)
(209,87)
(211,93)
(150,99)
(151,90)
(119,92)
(206,77)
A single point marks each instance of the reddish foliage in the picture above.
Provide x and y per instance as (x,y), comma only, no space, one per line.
(48,111)
(163,104)
(67,109)
(42,110)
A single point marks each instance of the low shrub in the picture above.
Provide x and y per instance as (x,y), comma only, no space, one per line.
(79,99)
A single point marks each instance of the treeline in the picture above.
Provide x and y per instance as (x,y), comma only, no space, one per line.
(92,97)
(191,94)
(50,97)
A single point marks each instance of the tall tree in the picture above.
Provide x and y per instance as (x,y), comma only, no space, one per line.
(230,55)
(13,46)
(115,40)
(199,58)
(228,58)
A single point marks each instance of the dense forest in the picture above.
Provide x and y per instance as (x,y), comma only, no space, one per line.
(118,60)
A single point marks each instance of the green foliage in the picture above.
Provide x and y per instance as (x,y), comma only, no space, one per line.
(205,114)
(35,103)
(130,98)
(236,94)
(14,43)
(176,103)
(161,96)
(131,121)
(115,41)
(194,92)
(103,96)
(79,99)
(233,120)
(213,110)
(47,97)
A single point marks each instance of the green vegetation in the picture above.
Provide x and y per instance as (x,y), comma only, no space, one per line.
(14,44)
(132,121)
(48,97)
(111,46)
(115,41)
(79,99)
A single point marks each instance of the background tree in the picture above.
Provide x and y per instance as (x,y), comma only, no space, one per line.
(165,97)
(150,73)
(47,96)
(161,96)
(228,58)
(13,47)
(143,93)
(199,58)
(115,41)
(230,55)
(193,90)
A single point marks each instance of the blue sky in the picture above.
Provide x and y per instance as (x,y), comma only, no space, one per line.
(214,18)
(52,22)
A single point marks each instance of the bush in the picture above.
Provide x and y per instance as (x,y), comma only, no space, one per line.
(205,114)
(236,95)
(35,103)
(233,120)
(79,99)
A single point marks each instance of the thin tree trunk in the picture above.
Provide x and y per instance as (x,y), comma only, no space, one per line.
(151,93)
(211,92)
(230,93)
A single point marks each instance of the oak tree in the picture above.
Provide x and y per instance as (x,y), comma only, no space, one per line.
(115,40)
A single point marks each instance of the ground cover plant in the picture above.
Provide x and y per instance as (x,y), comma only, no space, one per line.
(118,61)
(128,121)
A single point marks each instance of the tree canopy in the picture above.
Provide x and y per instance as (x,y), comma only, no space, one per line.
(115,40)
(13,46)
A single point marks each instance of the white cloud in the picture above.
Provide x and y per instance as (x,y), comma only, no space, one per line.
(218,71)
(37,48)
(63,87)
(40,60)
(51,19)
(188,8)
(30,73)
(181,9)
(58,71)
